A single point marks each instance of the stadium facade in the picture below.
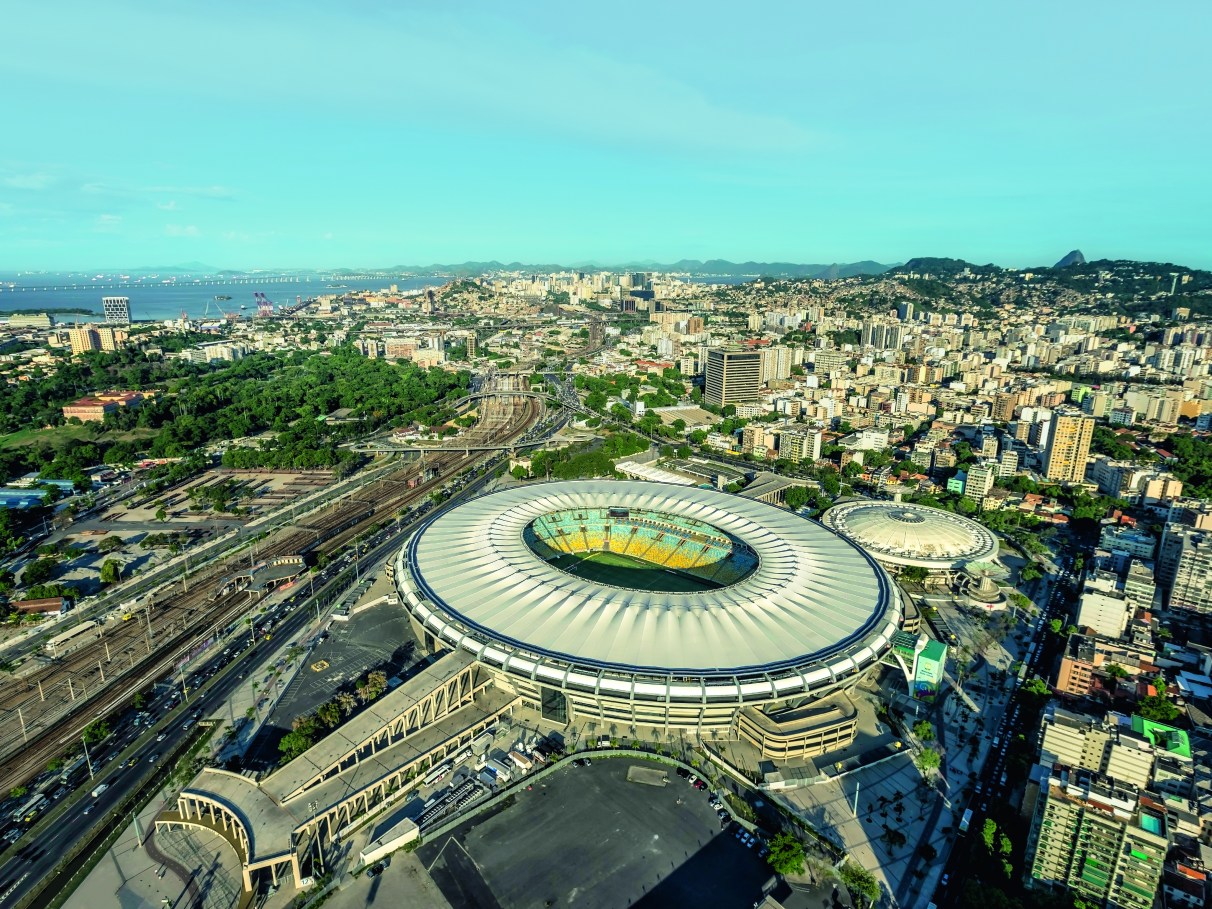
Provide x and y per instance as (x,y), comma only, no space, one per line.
(643,604)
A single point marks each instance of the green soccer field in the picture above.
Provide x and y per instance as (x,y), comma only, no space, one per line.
(619,570)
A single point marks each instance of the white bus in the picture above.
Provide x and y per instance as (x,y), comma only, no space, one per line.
(438,772)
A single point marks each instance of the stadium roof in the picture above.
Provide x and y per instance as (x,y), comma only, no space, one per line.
(913,535)
(814,597)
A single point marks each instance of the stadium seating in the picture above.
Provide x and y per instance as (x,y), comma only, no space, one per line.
(678,544)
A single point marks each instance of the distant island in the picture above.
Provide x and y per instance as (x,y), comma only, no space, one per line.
(60,311)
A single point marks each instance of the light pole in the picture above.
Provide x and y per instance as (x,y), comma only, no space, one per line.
(87,759)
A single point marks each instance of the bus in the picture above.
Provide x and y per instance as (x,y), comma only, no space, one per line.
(438,772)
(965,821)
(71,770)
(30,809)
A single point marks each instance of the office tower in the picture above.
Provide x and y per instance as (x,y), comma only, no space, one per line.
(1184,568)
(732,376)
(1068,447)
(904,311)
(1099,838)
(117,310)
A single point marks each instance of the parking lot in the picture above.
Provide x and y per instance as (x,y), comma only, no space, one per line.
(379,638)
(587,836)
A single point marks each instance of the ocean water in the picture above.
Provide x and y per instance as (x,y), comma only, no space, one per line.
(156,298)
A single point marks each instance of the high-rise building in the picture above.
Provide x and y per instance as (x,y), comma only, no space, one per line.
(776,363)
(1099,838)
(1184,568)
(1068,448)
(117,310)
(980,480)
(1004,405)
(83,339)
(471,347)
(904,311)
(111,338)
(800,445)
(732,376)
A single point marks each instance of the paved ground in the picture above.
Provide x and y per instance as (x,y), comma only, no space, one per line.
(590,838)
(378,638)
(404,883)
(132,876)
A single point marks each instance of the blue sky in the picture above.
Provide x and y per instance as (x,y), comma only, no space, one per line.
(373,134)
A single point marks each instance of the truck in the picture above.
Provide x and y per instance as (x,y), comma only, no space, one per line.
(502,773)
(965,821)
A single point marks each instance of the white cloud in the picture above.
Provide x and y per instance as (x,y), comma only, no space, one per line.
(107,223)
(201,192)
(170,205)
(29,181)
(181,230)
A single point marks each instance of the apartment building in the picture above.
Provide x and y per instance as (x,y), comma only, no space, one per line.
(1068,446)
(1098,837)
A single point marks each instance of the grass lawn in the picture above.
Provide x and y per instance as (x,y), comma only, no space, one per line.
(57,435)
(619,570)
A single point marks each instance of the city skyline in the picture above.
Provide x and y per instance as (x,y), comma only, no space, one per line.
(386,136)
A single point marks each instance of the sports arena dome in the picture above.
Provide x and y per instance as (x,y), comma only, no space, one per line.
(688,602)
(900,535)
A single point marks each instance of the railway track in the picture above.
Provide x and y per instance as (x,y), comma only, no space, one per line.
(48,708)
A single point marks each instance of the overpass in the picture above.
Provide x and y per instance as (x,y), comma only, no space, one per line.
(361,768)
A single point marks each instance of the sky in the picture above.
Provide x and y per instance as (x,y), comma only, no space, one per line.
(368,135)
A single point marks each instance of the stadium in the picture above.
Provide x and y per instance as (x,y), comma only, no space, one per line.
(902,536)
(642,604)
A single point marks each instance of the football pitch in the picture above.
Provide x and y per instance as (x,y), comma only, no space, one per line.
(619,570)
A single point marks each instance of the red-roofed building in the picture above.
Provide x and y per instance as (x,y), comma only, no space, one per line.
(94,407)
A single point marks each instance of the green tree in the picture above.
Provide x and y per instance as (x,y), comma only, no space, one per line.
(96,731)
(110,544)
(796,497)
(111,571)
(929,760)
(329,713)
(786,854)
(924,730)
(18,792)
(1157,707)
(161,514)
(914,574)
(39,572)
(860,882)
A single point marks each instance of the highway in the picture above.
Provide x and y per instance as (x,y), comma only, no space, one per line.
(35,858)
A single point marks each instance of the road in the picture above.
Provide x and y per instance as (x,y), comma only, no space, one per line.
(989,785)
(37,857)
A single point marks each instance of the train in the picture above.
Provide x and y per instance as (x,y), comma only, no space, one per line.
(71,639)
